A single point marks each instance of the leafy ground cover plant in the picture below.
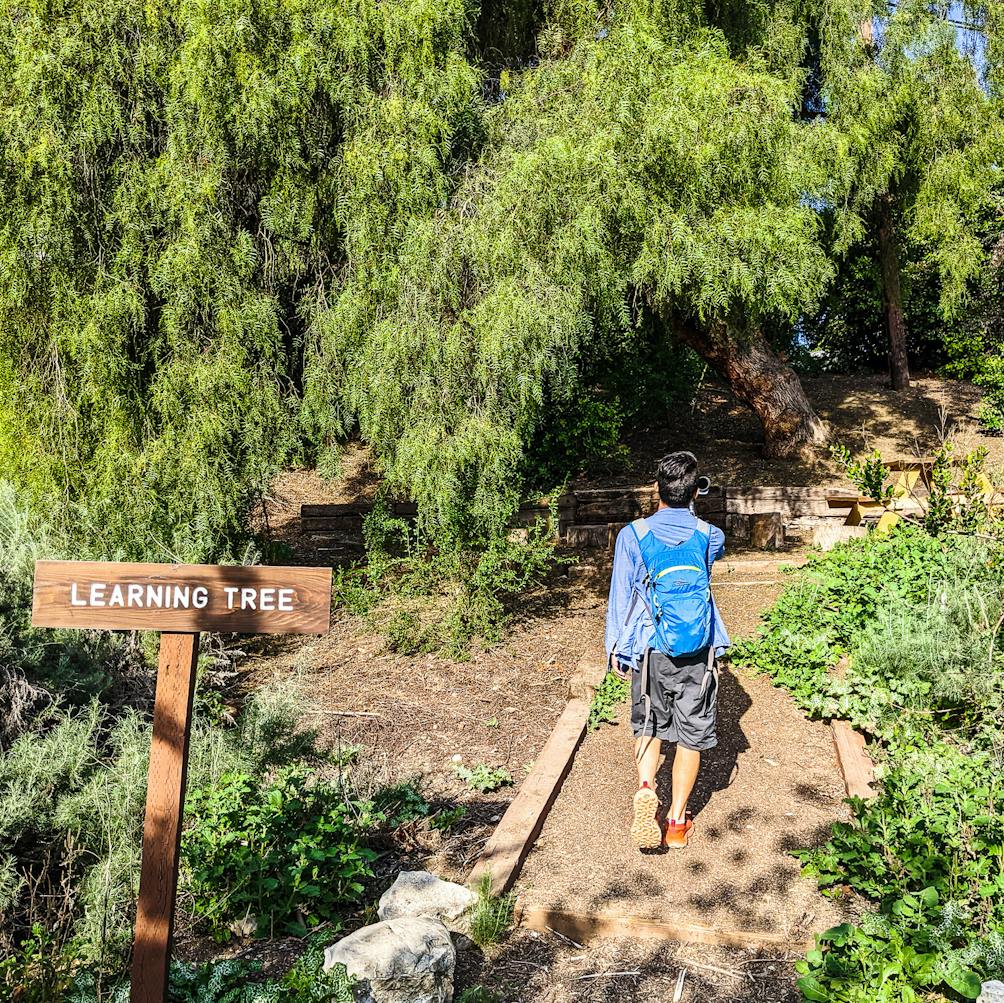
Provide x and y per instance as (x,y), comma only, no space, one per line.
(903,956)
(285,854)
(609,695)
(233,981)
(901,634)
(483,778)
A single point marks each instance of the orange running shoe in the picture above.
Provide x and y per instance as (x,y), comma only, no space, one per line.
(677,834)
(646,832)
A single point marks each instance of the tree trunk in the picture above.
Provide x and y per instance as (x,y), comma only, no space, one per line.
(899,367)
(758,377)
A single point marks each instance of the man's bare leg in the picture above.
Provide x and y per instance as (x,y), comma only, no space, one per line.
(647,753)
(685,767)
(646,833)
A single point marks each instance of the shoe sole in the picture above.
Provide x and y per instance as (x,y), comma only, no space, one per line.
(646,833)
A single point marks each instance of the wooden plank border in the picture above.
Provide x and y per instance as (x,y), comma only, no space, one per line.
(519,827)
(856,765)
(581,927)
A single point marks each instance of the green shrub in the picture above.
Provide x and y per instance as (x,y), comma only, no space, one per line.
(915,617)
(74,796)
(902,956)
(990,413)
(609,695)
(581,432)
(425,595)
(448,818)
(38,969)
(286,854)
(913,612)
(938,822)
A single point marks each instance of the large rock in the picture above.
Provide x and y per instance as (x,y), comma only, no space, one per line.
(419,893)
(992,992)
(407,960)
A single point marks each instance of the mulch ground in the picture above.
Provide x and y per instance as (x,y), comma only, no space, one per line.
(542,968)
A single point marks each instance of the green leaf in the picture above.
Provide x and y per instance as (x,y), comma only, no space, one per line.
(812,989)
(965,982)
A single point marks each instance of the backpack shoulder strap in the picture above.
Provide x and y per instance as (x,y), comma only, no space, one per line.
(705,528)
(641,530)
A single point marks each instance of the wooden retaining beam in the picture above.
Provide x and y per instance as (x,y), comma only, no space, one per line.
(519,827)
(856,765)
(592,517)
(582,926)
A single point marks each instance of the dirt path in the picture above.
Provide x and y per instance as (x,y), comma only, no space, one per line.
(773,771)
(771,786)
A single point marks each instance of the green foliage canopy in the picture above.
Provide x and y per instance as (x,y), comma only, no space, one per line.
(916,111)
(640,168)
(231,235)
(179,187)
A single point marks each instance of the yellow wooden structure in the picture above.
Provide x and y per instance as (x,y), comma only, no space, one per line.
(911,476)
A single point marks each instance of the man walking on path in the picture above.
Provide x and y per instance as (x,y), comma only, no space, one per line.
(664,631)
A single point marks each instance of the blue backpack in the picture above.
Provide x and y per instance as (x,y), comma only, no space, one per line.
(677,589)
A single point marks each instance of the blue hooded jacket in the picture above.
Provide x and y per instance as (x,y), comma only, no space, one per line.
(671,526)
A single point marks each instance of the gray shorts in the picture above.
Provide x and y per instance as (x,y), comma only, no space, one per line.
(684,700)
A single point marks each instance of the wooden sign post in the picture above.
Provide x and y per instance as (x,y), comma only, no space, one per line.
(179,601)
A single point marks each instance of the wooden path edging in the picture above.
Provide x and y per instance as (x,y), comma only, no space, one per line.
(856,765)
(580,927)
(519,827)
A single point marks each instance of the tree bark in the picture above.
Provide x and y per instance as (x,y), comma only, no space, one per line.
(759,378)
(899,367)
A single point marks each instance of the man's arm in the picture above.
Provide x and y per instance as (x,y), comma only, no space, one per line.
(717,544)
(626,555)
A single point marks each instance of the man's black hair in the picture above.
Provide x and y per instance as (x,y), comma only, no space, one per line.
(677,476)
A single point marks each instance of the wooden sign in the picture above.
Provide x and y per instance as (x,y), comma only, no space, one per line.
(181,597)
(180,601)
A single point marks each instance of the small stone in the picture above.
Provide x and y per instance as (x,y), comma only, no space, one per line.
(457,758)
(419,893)
(409,960)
